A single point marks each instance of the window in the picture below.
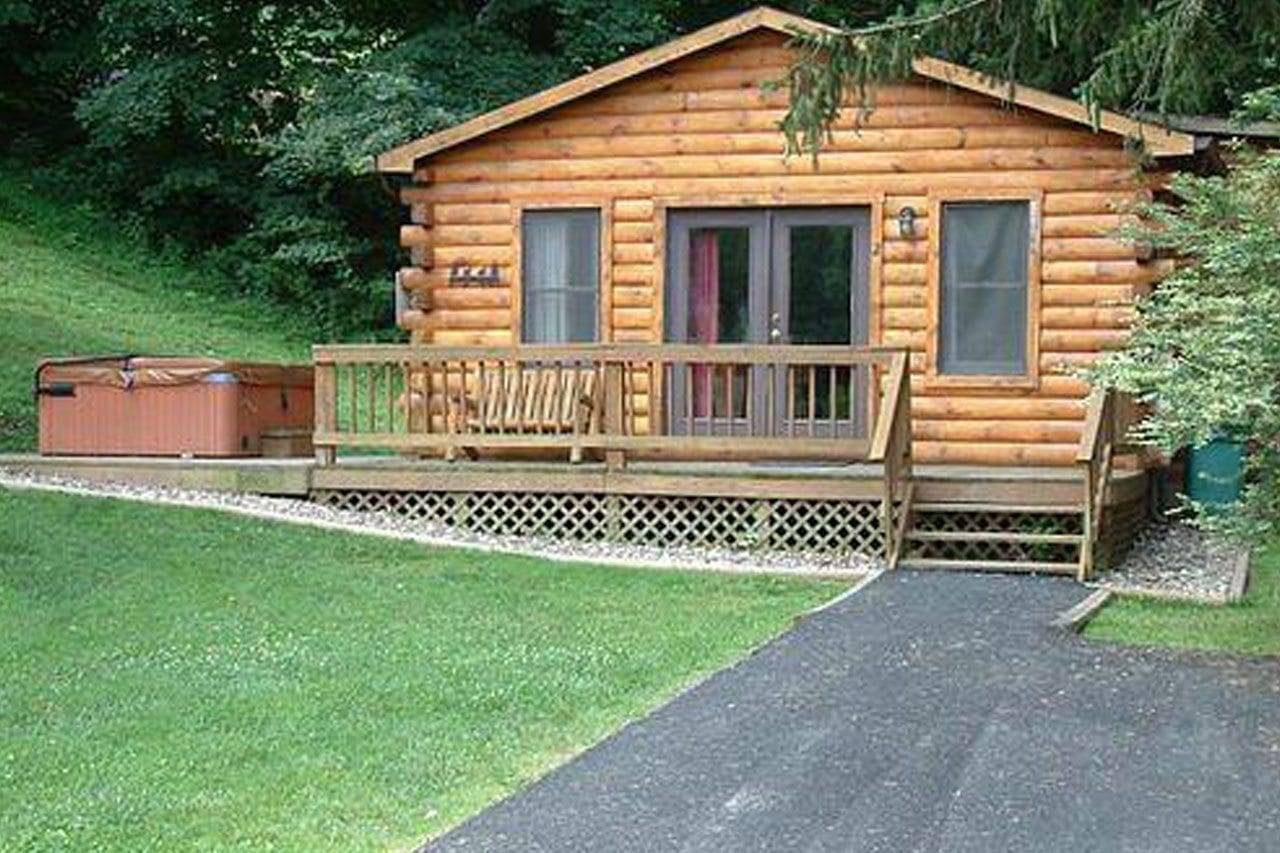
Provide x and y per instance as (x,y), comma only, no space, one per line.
(982,290)
(560,276)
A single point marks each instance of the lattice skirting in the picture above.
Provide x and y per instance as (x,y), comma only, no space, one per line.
(790,525)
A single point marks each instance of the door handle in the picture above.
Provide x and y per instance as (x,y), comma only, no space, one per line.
(775,335)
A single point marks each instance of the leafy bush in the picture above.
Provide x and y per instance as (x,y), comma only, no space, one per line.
(1205,353)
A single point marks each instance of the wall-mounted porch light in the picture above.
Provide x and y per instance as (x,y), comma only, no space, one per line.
(907,222)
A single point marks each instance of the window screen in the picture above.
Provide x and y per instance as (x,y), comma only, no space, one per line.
(983,288)
(560,275)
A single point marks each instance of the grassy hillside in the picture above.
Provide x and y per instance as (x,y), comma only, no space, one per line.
(72,284)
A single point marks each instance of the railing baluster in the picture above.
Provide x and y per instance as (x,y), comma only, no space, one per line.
(790,389)
(813,398)
(831,402)
(690,391)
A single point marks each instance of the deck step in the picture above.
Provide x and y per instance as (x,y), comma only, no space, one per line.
(1042,509)
(1020,566)
(993,536)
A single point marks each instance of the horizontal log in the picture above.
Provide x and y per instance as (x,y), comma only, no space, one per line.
(831,162)
(472,214)
(1092,201)
(1085,248)
(464,298)
(633,210)
(1054,317)
(633,297)
(909,339)
(415,236)
(1050,385)
(903,251)
(770,141)
(1082,340)
(633,253)
(1015,431)
(633,232)
(1066,362)
(634,336)
(904,318)
(898,274)
(632,318)
(633,274)
(463,338)
(745,92)
(962,453)
(471,319)
(414,278)
(1085,294)
(1100,272)
(895,296)
(996,408)
(476,256)
(779,189)
(564,124)
(1086,224)
(474,235)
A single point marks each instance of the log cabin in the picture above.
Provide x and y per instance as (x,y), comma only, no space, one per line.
(876,349)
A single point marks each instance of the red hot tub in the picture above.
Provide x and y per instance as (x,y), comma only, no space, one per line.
(146,406)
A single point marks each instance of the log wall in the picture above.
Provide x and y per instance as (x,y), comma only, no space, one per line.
(701,131)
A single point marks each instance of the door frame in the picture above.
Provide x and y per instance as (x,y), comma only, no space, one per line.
(769,222)
(668,203)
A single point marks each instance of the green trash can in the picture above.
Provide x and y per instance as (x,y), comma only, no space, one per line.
(1215,473)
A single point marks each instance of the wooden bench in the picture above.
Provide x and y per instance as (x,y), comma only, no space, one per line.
(530,400)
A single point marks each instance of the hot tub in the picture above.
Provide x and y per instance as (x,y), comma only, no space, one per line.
(152,406)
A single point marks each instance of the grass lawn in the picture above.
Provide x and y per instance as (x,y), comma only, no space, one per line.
(177,678)
(69,285)
(1249,627)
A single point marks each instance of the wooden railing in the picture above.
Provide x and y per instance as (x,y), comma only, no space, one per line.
(891,446)
(628,401)
(1095,458)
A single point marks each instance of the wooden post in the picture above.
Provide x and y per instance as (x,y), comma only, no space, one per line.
(326,402)
(1086,526)
(614,412)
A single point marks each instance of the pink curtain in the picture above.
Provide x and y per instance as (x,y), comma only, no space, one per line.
(704,310)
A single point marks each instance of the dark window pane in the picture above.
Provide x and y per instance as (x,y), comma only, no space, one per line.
(719,278)
(560,275)
(983,317)
(821,283)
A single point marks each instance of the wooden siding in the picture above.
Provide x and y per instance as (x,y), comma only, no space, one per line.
(702,132)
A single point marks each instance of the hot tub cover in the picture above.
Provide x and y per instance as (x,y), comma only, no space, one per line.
(134,371)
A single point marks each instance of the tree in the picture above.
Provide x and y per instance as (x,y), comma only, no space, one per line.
(1205,351)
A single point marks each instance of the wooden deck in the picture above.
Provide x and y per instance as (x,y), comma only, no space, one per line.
(650,445)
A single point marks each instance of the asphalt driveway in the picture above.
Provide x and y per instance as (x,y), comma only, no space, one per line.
(930,712)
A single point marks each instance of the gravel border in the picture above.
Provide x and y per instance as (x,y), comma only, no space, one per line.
(1174,561)
(392,526)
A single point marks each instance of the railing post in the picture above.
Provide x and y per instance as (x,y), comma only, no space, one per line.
(614,411)
(1086,526)
(326,410)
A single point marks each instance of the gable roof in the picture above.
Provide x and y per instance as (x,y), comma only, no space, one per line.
(1159,141)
